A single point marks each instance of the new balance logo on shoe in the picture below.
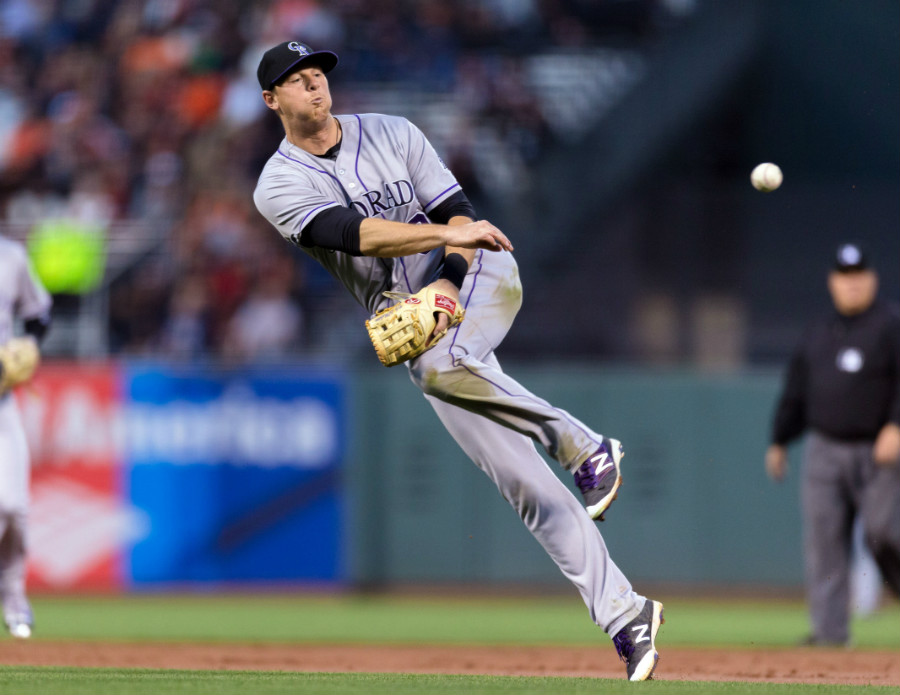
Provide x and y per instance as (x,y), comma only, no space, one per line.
(603,463)
(635,643)
(599,479)
(605,467)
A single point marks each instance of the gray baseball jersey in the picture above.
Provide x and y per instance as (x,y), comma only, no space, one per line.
(21,293)
(21,297)
(387,168)
(295,186)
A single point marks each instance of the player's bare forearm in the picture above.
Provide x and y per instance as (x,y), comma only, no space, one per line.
(446,286)
(467,253)
(387,239)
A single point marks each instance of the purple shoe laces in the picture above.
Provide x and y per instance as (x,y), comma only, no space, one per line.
(586,477)
(624,646)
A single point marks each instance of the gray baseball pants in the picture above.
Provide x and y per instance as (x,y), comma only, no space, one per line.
(840,481)
(13,527)
(14,479)
(496,421)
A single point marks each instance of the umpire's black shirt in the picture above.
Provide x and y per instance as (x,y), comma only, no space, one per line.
(844,379)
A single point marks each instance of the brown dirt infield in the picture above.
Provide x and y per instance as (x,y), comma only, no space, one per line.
(840,666)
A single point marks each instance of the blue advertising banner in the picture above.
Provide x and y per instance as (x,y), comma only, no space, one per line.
(237,472)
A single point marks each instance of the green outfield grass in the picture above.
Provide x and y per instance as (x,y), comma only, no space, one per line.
(379,619)
(69,681)
(441,620)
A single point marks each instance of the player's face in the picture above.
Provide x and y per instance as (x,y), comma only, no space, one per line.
(854,292)
(302,96)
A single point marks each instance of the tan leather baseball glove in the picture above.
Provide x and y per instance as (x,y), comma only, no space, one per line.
(399,333)
(19,357)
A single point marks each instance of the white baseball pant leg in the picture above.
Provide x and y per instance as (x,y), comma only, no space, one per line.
(14,479)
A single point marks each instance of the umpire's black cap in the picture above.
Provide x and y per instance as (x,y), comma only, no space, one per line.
(851,257)
(286,57)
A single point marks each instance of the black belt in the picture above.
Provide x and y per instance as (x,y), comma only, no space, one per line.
(843,439)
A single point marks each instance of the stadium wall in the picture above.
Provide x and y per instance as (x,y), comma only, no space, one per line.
(154,475)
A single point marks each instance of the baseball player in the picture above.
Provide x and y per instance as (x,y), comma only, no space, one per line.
(367,196)
(21,297)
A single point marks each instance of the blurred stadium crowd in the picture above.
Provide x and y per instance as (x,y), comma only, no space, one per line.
(143,118)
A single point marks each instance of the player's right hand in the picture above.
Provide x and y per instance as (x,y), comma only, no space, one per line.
(478,235)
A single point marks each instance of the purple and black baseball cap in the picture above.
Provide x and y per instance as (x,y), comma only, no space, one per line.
(287,57)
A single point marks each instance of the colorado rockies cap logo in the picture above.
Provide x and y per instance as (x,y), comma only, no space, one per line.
(298,47)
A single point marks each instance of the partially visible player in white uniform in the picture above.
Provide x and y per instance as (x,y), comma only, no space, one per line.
(22,300)
(367,196)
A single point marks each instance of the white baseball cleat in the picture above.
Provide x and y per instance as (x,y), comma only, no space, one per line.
(636,642)
(19,620)
(20,630)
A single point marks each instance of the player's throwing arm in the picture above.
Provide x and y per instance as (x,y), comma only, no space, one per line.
(388,239)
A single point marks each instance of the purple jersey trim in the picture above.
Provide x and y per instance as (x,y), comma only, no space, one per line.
(477,258)
(405,276)
(359,151)
(314,210)
(430,202)
(309,166)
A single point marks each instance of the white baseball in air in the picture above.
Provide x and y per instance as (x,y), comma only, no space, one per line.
(766,177)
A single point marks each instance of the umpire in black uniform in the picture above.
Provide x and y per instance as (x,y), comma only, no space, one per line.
(843,386)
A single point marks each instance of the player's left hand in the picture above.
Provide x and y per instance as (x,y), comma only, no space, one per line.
(443,321)
(886,451)
(405,330)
